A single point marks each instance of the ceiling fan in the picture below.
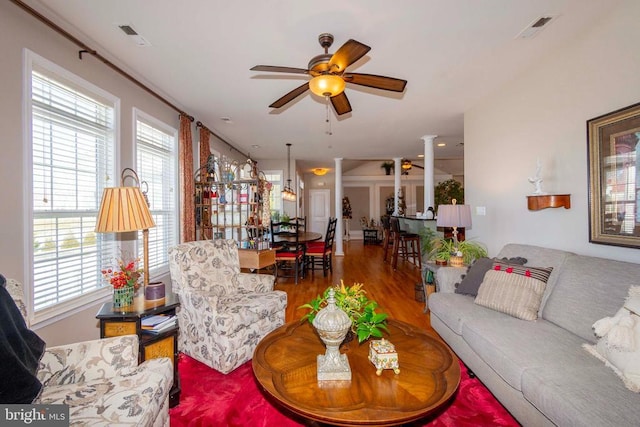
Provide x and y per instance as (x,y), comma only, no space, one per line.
(330,77)
(407,165)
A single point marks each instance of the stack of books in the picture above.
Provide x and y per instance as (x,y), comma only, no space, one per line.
(158,323)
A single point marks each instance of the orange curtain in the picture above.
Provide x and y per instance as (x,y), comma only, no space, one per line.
(204,149)
(187,217)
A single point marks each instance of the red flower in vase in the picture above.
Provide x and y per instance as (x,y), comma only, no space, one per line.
(125,275)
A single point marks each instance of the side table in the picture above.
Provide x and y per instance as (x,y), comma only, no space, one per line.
(128,321)
(370,236)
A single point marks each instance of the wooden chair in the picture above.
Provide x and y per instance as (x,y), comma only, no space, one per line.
(290,253)
(405,245)
(319,253)
(387,237)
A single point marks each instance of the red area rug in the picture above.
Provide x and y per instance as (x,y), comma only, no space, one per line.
(211,399)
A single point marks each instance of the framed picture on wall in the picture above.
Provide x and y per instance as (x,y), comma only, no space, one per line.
(614,177)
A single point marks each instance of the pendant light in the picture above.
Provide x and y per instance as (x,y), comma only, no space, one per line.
(288,193)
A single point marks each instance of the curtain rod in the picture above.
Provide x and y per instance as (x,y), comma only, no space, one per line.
(199,124)
(87,49)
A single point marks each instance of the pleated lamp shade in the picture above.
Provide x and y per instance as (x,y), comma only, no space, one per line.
(123,209)
(454,216)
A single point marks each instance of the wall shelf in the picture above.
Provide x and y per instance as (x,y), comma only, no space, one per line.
(543,201)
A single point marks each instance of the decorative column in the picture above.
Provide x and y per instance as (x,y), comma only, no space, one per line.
(396,183)
(338,209)
(428,172)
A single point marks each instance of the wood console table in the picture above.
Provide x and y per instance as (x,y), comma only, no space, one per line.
(284,364)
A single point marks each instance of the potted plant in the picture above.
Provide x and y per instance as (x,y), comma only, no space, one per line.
(469,250)
(388,167)
(446,191)
(366,322)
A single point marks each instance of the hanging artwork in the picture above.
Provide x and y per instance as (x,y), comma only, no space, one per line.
(614,177)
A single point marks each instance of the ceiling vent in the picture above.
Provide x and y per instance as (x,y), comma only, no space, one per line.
(133,35)
(536,26)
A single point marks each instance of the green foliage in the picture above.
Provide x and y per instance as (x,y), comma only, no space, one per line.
(444,248)
(365,321)
(427,242)
(448,190)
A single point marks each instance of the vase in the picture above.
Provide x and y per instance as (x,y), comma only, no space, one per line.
(123,297)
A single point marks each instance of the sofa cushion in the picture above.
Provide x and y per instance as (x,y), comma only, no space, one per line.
(513,289)
(511,346)
(577,395)
(537,255)
(472,280)
(134,399)
(588,289)
(455,310)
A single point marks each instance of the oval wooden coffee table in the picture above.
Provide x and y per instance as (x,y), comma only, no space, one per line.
(284,363)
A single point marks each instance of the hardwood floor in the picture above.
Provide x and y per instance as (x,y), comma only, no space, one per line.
(393,290)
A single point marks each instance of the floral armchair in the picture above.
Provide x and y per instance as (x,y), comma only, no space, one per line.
(223,313)
(101,381)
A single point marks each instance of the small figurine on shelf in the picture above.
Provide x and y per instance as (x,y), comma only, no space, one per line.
(537,179)
(346,208)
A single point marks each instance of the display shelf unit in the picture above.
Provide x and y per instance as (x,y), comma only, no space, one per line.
(232,202)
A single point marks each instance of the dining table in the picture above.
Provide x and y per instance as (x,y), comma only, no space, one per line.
(303,237)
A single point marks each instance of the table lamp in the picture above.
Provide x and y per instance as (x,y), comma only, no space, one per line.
(125,209)
(454,216)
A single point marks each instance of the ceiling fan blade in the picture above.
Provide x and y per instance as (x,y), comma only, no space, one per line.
(378,82)
(348,53)
(276,69)
(341,103)
(291,96)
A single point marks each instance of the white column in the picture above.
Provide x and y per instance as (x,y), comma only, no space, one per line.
(338,191)
(396,183)
(428,172)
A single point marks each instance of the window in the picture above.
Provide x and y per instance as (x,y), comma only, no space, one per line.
(275,197)
(73,128)
(156,167)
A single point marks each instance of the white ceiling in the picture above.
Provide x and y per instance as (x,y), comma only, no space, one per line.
(452,53)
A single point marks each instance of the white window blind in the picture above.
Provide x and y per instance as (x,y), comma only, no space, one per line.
(275,197)
(73,134)
(156,149)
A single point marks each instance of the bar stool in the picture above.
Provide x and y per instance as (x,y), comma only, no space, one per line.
(387,236)
(405,244)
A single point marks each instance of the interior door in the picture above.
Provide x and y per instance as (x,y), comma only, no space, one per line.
(319,210)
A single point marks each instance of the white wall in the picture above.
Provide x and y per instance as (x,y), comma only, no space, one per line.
(17,31)
(542,114)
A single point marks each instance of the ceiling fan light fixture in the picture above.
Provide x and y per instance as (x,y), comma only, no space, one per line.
(327,85)
(320,171)
(406,164)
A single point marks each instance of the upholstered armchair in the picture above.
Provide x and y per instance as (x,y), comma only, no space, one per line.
(101,381)
(224,313)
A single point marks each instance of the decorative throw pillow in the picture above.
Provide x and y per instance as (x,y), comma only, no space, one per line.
(475,274)
(513,289)
(619,345)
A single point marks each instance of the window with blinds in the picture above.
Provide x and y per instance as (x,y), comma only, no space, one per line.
(156,148)
(72,158)
(275,196)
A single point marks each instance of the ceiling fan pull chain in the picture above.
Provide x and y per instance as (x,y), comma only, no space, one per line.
(328,119)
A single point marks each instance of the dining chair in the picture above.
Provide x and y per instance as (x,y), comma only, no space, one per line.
(319,254)
(290,252)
